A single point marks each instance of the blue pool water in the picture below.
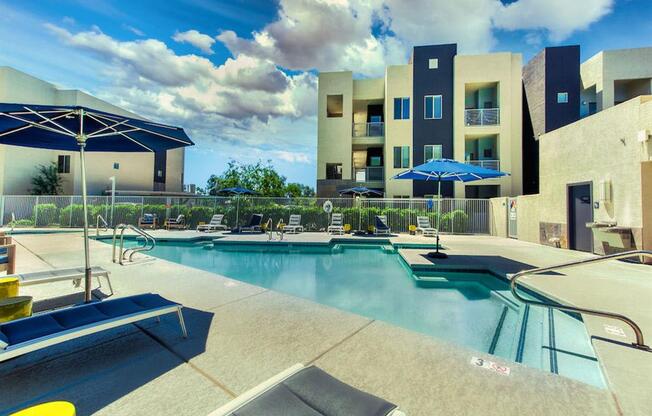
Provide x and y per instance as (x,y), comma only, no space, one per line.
(473,309)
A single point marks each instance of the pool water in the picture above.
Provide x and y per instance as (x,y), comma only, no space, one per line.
(473,309)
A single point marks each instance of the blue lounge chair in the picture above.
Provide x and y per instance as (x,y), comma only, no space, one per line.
(254,224)
(7,254)
(381,227)
(148,221)
(25,335)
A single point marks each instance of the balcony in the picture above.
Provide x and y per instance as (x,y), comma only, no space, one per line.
(482,117)
(373,129)
(370,174)
(487,164)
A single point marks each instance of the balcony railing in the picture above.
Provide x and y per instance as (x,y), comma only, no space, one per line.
(375,129)
(370,174)
(482,117)
(488,164)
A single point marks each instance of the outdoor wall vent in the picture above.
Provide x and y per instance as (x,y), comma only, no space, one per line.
(643,136)
(605,191)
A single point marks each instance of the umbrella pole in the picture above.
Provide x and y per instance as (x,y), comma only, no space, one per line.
(436,254)
(87,261)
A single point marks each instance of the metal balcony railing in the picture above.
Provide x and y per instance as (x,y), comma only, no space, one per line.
(488,164)
(482,117)
(370,174)
(375,129)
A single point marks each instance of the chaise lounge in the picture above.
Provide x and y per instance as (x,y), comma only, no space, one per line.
(148,221)
(7,254)
(75,274)
(303,390)
(423,226)
(214,225)
(294,225)
(336,226)
(26,335)
(381,227)
(254,225)
(178,223)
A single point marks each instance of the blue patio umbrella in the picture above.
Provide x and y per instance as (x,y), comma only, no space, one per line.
(360,191)
(447,170)
(75,128)
(237,191)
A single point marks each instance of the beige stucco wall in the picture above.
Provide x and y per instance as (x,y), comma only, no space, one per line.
(606,67)
(506,70)
(498,216)
(19,164)
(369,89)
(334,134)
(398,79)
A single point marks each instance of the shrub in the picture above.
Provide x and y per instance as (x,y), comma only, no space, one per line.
(45,214)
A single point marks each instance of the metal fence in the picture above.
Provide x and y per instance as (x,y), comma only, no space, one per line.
(457,215)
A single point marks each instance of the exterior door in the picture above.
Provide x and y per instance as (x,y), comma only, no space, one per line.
(580,211)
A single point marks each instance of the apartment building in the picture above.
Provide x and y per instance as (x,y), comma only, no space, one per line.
(136,172)
(438,105)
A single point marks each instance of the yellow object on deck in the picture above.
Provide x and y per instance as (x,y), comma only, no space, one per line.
(15,308)
(8,287)
(48,409)
(347,228)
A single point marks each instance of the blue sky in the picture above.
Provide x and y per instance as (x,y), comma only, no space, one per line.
(240,75)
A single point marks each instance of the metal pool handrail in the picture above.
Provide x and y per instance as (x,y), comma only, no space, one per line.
(640,344)
(123,253)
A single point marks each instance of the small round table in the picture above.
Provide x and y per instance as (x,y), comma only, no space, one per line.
(48,409)
(8,287)
(15,308)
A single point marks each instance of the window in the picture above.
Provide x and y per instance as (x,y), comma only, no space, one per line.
(431,152)
(562,97)
(333,171)
(375,161)
(432,108)
(63,164)
(116,165)
(334,105)
(401,157)
(159,173)
(402,108)
(402,196)
(433,63)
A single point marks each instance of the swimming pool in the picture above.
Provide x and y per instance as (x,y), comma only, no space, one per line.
(475,309)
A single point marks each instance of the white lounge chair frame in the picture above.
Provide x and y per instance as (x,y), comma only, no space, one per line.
(266,385)
(214,225)
(423,226)
(336,226)
(387,231)
(75,274)
(294,225)
(11,351)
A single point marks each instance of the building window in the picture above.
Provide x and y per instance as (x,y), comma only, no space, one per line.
(562,97)
(402,108)
(401,157)
(433,63)
(63,164)
(432,108)
(333,171)
(116,165)
(334,105)
(432,152)
(401,196)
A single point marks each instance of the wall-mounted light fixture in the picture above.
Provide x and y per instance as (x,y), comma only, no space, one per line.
(606,191)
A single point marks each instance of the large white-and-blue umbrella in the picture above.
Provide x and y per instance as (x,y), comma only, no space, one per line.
(83,129)
(447,170)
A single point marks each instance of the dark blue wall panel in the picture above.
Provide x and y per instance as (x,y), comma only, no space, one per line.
(562,75)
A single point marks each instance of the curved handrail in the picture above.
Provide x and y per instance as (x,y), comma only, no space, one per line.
(97,224)
(123,253)
(640,343)
(269,225)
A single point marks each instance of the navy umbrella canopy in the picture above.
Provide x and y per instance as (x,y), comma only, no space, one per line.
(83,129)
(360,190)
(447,170)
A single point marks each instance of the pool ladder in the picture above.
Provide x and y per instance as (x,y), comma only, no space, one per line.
(100,219)
(639,344)
(128,254)
(269,227)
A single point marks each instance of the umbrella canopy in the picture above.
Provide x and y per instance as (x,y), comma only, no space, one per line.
(236,191)
(447,170)
(75,128)
(360,190)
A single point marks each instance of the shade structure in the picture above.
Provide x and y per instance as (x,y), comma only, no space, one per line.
(360,191)
(236,191)
(83,129)
(447,170)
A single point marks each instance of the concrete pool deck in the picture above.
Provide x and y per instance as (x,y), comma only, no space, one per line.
(241,335)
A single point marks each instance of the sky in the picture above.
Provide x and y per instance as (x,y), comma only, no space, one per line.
(241,75)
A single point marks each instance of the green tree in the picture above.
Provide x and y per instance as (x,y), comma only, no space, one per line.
(259,177)
(47,181)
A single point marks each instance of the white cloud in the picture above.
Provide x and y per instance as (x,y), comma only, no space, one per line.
(559,17)
(134,30)
(198,40)
(292,157)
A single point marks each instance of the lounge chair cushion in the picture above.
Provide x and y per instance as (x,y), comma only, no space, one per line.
(380,225)
(4,259)
(3,250)
(312,391)
(79,316)
(30,328)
